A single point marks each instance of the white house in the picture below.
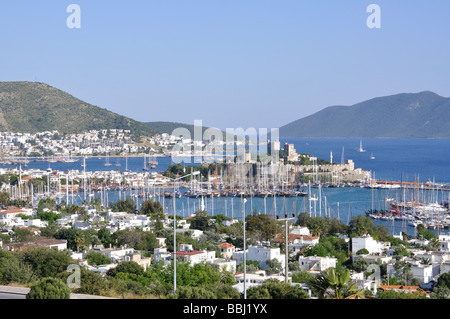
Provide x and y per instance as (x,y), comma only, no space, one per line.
(116,255)
(260,254)
(224,264)
(161,254)
(444,242)
(367,242)
(11,216)
(298,230)
(423,272)
(227,250)
(196,256)
(253,280)
(45,242)
(316,263)
(300,242)
(35,222)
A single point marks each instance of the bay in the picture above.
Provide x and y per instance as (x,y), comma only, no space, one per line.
(394,160)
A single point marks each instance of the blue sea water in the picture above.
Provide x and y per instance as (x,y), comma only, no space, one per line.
(395,160)
(427,159)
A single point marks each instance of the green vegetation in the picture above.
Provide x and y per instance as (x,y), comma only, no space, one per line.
(335,283)
(204,280)
(274,289)
(49,288)
(37,107)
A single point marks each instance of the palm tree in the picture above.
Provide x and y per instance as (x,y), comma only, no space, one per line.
(335,283)
(79,240)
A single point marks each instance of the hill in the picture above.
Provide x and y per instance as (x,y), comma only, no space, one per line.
(407,115)
(169,127)
(36,107)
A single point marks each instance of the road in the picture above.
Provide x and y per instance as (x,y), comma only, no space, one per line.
(8,292)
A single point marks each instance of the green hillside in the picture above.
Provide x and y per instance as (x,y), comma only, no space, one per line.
(408,115)
(35,107)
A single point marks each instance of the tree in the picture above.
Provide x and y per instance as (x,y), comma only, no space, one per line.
(185,292)
(76,238)
(79,240)
(302,277)
(14,270)
(273,266)
(125,205)
(362,251)
(46,262)
(135,238)
(201,221)
(96,258)
(49,288)
(261,227)
(335,283)
(444,280)
(391,294)
(4,198)
(153,209)
(105,236)
(360,264)
(275,289)
(21,235)
(329,246)
(318,225)
(128,267)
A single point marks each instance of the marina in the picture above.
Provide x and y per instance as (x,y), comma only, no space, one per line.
(397,205)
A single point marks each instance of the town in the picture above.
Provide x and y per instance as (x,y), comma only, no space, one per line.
(131,239)
(126,252)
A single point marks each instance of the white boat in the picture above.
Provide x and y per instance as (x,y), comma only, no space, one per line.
(361,150)
(372,157)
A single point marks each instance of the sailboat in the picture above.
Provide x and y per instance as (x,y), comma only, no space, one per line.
(126,164)
(153,162)
(361,150)
(372,157)
(145,165)
(107,163)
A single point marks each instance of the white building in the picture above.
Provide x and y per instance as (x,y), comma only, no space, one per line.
(444,242)
(227,250)
(316,263)
(261,255)
(225,264)
(367,242)
(423,272)
(254,280)
(196,257)
(161,254)
(298,230)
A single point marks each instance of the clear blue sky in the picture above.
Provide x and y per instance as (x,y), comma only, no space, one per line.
(230,63)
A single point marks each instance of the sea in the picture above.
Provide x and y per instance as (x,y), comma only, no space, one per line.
(388,159)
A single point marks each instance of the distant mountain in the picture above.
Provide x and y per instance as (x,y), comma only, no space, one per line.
(31,107)
(407,115)
(169,127)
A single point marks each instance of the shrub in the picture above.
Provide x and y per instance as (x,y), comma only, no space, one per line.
(49,288)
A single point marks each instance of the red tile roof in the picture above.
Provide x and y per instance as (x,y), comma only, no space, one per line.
(226,245)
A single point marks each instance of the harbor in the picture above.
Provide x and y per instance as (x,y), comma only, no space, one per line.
(234,191)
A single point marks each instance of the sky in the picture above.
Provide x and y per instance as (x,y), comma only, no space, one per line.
(230,64)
